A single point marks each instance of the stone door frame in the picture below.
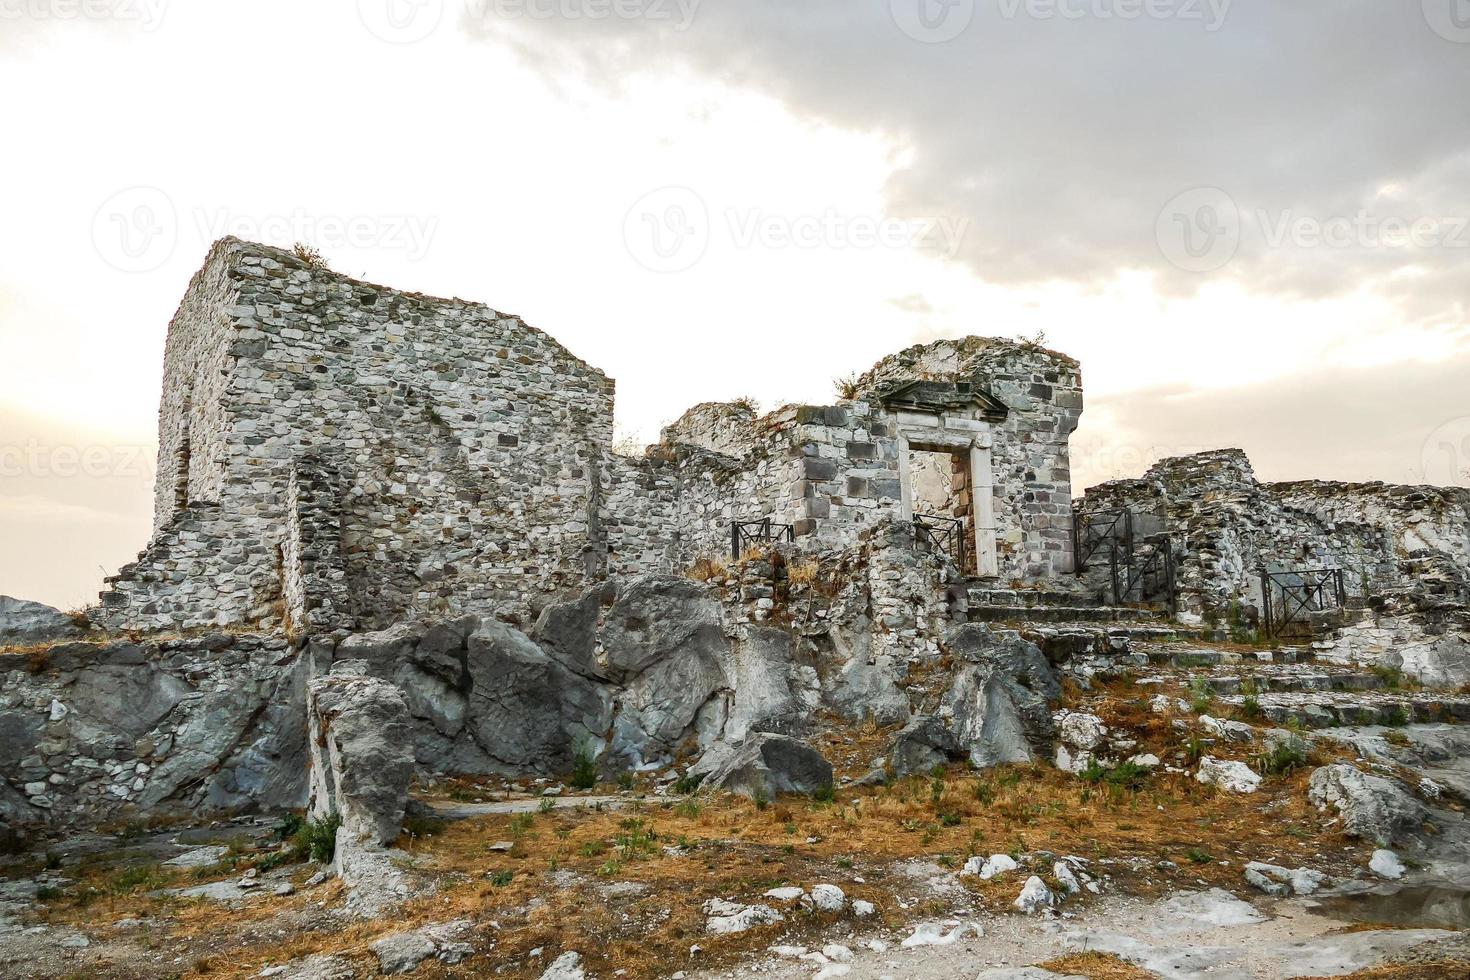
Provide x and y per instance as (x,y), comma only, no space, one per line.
(941,433)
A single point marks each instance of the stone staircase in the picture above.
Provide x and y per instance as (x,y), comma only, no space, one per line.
(1072,622)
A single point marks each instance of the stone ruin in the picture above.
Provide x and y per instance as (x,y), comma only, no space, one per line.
(409,508)
(336,454)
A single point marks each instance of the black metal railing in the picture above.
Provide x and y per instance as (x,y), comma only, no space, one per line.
(1107,531)
(944,534)
(1147,574)
(1291,597)
(744,534)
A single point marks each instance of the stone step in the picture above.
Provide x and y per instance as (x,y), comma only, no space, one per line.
(1298,681)
(1062,614)
(1188,657)
(1062,641)
(1334,709)
(1029,598)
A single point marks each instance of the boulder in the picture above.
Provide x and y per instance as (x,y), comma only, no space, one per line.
(725,918)
(24,623)
(361,753)
(402,952)
(658,617)
(1235,777)
(1079,735)
(1035,897)
(567,631)
(1372,807)
(1281,882)
(763,766)
(1386,864)
(773,692)
(567,966)
(925,742)
(863,686)
(998,698)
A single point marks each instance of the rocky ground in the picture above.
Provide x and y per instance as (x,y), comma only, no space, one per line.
(1211,811)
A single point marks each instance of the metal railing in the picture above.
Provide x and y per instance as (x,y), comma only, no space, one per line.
(744,534)
(1291,597)
(1092,533)
(1147,573)
(944,534)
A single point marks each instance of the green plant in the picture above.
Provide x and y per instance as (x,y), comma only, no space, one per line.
(502,878)
(53,860)
(1194,748)
(593,848)
(423,826)
(688,809)
(584,767)
(1395,717)
(289,826)
(845,863)
(1391,677)
(761,802)
(1283,757)
(984,792)
(145,877)
(47,893)
(1201,694)
(1250,706)
(825,794)
(317,839)
(688,783)
(625,781)
(546,805)
(1198,856)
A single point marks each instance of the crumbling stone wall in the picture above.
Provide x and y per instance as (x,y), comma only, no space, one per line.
(1030,456)
(469,446)
(1228,526)
(336,453)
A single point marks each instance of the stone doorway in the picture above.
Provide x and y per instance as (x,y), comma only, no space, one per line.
(946,476)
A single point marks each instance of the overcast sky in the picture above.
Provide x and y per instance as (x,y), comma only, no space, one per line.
(1249,220)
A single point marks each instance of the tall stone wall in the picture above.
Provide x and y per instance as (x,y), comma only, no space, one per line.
(469,446)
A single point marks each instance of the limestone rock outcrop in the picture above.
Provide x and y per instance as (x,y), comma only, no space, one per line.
(361,753)
(23,622)
(764,766)
(1371,807)
(998,699)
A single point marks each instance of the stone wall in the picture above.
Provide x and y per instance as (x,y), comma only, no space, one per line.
(469,446)
(336,453)
(1228,526)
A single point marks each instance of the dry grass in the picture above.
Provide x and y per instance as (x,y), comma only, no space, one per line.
(731,848)
(1441,970)
(1096,966)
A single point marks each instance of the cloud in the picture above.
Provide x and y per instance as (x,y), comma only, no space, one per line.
(1409,423)
(1063,129)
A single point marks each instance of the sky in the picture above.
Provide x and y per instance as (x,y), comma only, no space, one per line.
(1249,220)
